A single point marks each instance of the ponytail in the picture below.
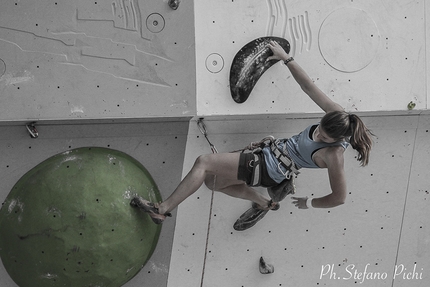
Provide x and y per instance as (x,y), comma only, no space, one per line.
(360,139)
(340,125)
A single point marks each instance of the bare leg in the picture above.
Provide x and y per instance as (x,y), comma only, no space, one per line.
(237,188)
(222,165)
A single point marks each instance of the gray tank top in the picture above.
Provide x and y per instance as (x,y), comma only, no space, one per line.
(300,147)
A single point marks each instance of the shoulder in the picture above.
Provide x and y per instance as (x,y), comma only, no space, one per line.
(330,157)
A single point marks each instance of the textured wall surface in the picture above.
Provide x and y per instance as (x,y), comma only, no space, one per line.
(367,55)
(96,59)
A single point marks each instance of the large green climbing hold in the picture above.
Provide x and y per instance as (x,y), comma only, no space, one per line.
(68,221)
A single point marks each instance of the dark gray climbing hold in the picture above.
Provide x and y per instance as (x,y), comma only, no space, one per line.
(265,268)
(174,4)
(249,65)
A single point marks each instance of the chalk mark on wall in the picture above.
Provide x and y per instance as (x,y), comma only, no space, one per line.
(24,77)
(295,29)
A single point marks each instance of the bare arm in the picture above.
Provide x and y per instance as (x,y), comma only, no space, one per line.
(305,82)
(333,159)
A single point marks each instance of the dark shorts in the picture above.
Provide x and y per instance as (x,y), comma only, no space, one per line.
(246,170)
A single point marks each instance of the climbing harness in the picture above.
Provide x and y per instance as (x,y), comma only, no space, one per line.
(281,155)
(250,217)
(284,160)
(277,193)
(257,146)
(256,167)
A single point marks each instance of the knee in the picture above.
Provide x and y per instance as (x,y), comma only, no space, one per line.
(202,162)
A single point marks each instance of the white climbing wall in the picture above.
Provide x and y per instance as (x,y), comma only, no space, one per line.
(370,57)
(366,55)
(118,59)
(135,75)
(384,223)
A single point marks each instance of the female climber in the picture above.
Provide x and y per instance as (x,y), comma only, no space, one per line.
(321,145)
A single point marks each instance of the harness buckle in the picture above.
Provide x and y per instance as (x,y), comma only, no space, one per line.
(287,173)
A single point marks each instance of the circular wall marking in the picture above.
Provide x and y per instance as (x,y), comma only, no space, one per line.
(214,63)
(348,39)
(2,67)
(155,23)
